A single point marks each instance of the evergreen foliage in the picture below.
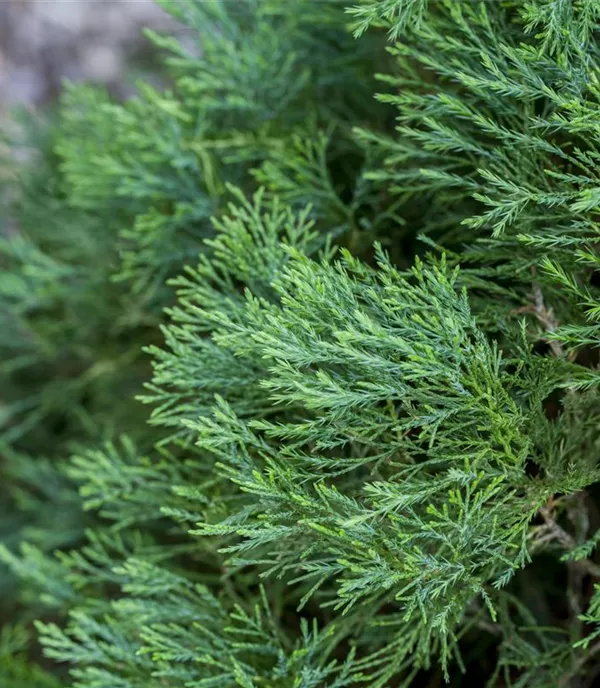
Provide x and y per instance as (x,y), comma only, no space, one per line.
(300,382)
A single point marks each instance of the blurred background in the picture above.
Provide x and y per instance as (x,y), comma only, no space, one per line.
(43,42)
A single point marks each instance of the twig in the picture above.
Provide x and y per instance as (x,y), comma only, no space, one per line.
(544,315)
(556,532)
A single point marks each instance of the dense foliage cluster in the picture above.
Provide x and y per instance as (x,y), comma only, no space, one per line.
(299,358)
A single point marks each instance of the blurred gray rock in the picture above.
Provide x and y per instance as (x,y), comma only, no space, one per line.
(43,42)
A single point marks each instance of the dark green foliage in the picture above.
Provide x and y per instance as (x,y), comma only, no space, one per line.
(369,454)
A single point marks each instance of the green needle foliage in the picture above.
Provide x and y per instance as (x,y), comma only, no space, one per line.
(300,374)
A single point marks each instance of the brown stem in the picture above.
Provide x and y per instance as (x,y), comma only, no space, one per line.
(557,533)
(547,319)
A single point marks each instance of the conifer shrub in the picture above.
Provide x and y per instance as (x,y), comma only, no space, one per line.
(300,357)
